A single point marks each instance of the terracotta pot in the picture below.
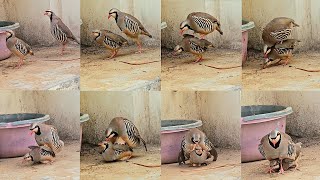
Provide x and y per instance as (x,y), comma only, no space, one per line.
(5,25)
(256,122)
(15,134)
(172,132)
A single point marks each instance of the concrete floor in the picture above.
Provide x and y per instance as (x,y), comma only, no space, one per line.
(99,73)
(93,166)
(65,166)
(226,167)
(309,164)
(180,73)
(45,70)
(282,77)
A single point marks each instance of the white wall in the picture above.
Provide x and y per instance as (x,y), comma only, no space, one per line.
(228,12)
(304,12)
(34,26)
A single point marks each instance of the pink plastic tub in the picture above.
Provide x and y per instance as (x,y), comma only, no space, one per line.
(15,134)
(5,25)
(256,122)
(172,133)
(246,26)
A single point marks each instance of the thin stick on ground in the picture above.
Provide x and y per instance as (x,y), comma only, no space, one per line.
(150,166)
(216,167)
(141,63)
(307,70)
(222,67)
(58,59)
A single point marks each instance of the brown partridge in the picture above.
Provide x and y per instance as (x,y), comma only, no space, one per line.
(113,152)
(201,23)
(129,25)
(109,40)
(193,45)
(17,46)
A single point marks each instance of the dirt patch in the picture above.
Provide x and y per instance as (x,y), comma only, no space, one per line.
(181,73)
(282,77)
(45,70)
(120,73)
(226,167)
(308,164)
(65,166)
(93,166)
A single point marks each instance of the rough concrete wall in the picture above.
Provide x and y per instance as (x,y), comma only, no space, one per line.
(34,26)
(305,13)
(3,14)
(142,108)
(95,16)
(173,12)
(219,112)
(304,121)
(64,110)
(62,106)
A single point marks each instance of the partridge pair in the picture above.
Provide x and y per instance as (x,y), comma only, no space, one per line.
(129,25)
(49,143)
(279,149)
(277,45)
(203,24)
(121,136)
(196,147)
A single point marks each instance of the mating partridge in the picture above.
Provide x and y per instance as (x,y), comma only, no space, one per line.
(59,30)
(280,52)
(123,131)
(129,25)
(192,139)
(278,146)
(198,156)
(17,46)
(113,152)
(109,40)
(276,31)
(40,154)
(47,135)
(201,23)
(193,45)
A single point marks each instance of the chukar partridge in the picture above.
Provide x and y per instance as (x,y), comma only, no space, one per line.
(40,154)
(59,30)
(277,146)
(123,131)
(193,45)
(129,25)
(276,31)
(47,135)
(201,23)
(191,140)
(113,152)
(17,46)
(280,52)
(109,40)
(198,156)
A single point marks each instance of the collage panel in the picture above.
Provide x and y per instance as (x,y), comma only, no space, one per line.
(283,45)
(120,45)
(200,135)
(282,126)
(39,134)
(121,137)
(201,45)
(39,44)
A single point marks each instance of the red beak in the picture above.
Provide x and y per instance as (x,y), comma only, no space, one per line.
(265,55)
(109,16)
(31,133)
(181,31)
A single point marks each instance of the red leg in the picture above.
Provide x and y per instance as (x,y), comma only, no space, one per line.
(281,168)
(139,47)
(114,53)
(62,49)
(199,59)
